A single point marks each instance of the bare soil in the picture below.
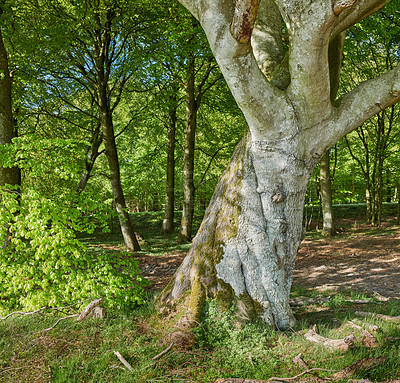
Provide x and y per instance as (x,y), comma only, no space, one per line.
(360,259)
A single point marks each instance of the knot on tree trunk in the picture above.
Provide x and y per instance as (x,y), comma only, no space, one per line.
(277,197)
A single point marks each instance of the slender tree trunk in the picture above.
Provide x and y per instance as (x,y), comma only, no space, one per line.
(168,222)
(8,176)
(368,198)
(335,53)
(245,249)
(328,225)
(185,234)
(115,178)
(90,160)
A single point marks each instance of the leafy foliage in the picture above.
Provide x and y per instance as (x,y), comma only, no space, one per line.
(43,263)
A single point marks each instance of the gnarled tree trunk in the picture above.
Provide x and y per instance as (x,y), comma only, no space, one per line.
(246,247)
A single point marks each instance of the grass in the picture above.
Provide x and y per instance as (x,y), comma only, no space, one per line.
(223,347)
(83,352)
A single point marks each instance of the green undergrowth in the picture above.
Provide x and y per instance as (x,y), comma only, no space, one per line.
(224,347)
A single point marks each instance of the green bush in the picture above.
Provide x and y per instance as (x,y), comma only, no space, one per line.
(42,262)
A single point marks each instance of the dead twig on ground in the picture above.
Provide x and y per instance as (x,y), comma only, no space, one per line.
(169,348)
(123,361)
(82,316)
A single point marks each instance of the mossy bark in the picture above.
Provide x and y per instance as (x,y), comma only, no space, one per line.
(245,249)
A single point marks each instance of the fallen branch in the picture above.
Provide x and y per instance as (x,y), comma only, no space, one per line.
(123,361)
(332,344)
(169,348)
(44,308)
(380,316)
(86,311)
(82,316)
(370,327)
(61,319)
(22,313)
(368,339)
(345,373)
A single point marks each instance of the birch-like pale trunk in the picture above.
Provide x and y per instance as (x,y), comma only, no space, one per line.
(246,247)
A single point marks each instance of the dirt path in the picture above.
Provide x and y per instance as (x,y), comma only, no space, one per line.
(365,263)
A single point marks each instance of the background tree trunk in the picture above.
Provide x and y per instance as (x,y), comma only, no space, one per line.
(185,234)
(328,225)
(168,222)
(115,178)
(9,176)
(90,159)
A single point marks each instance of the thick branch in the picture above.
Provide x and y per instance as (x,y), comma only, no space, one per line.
(309,25)
(366,100)
(266,39)
(354,14)
(257,98)
(244,19)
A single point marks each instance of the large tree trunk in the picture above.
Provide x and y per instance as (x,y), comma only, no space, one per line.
(169,209)
(328,225)
(245,250)
(185,234)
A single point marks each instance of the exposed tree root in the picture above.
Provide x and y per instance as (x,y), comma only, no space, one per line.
(331,344)
(380,316)
(368,339)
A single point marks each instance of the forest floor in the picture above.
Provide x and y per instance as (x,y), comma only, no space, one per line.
(360,258)
(361,261)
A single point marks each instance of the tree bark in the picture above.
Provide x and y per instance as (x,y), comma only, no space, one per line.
(8,176)
(185,234)
(90,159)
(328,225)
(245,250)
(115,177)
(246,247)
(169,209)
